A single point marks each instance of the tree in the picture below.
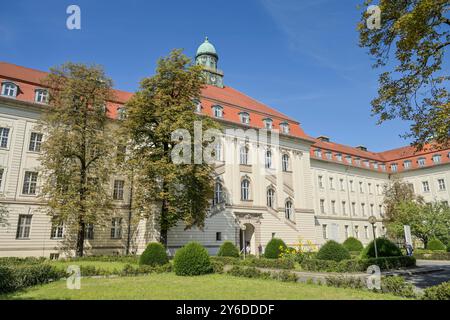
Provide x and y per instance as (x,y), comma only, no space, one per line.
(396,193)
(76,152)
(164,104)
(427,221)
(416,87)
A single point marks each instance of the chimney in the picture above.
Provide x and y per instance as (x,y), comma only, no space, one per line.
(324,138)
(362,148)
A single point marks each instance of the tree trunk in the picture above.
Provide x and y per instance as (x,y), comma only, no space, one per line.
(80,239)
(163,238)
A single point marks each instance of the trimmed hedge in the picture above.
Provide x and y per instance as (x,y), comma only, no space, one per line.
(274,248)
(357,265)
(252,272)
(228,249)
(192,260)
(439,292)
(436,245)
(397,286)
(385,248)
(13,278)
(431,255)
(154,255)
(259,263)
(353,245)
(333,251)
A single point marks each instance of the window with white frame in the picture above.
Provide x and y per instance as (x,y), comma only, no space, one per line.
(118,189)
(57,231)
(375,165)
(426,186)
(9,89)
(268,160)
(218,193)
(318,153)
(268,123)
(121,113)
(198,106)
(288,211)
(89,231)
(243,155)
(338,156)
(245,189)
(407,164)
(325,231)
(421,162)
(245,117)
(329,155)
(437,158)
(285,162)
(41,96)
(270,197)
(217,111)
(284,126)
(30,183)
(348,159)
(218,151)
(116,228)
(4,135)
(322,206)
(383,167)
(358,161)
(367,163)
(394,167)
(35,142)
(441,184)
(23,226)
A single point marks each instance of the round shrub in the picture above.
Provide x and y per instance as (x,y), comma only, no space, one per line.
(274,248)
(385,248)
(228,249)
(154,255)
(435,245)
(353,245)
(192,260)
(333,251)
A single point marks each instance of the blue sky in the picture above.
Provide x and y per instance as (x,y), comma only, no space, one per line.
(299,56)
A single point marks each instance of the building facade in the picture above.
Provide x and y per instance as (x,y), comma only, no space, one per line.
(272,179)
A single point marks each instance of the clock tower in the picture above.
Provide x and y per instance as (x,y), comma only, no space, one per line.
(207,57)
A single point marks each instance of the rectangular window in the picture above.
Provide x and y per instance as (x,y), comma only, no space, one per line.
(218,236)
(371,209)
(407,164)
(394,167)
(341,182)
(352,189)
(353,208)
(118,189)
(57,231)
(333,206)
(30,183)
(383,167)
(441,184)
(329,155)
(437,158)
(320,182)
(89,231)
(331,183)
(9,89)
(116,228)
(361,187)
(347,235)
(426,186)
(348,159)
(318,153)
(4,134)
(1,176)
(338,157)
(41,96)
(366,232)
(324,231)
(363,209)
(322,206)
(344,209)
(23,226)
(35,142)
(421,162)
(357,232)
(369,186)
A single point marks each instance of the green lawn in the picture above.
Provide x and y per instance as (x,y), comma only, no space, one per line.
(209,287)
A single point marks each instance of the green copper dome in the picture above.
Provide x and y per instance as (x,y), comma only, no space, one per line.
(206,48)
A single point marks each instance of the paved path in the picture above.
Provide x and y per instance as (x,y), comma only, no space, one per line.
(424,280)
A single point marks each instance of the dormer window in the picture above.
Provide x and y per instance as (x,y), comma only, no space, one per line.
(245,117)
(268,123)
(318,153)
(284,126)
(437,158)
(358,161)
(41,96)
(383,167)
(121,113)
(198,106)
(407,164)
(375,165)
(367,163)
(338,156)
(9,89)
(348,159)
(329,155)
(218,111)
(421,162)
(394,167)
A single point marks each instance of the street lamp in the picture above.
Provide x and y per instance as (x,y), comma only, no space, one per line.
(243,227)
(372,221)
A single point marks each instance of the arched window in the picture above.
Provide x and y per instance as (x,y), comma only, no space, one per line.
(9,89)
(288,210)
(218,111)
(285,162)
(268,161)
(245,189)
(270,198)
(243,155)
(218,193)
